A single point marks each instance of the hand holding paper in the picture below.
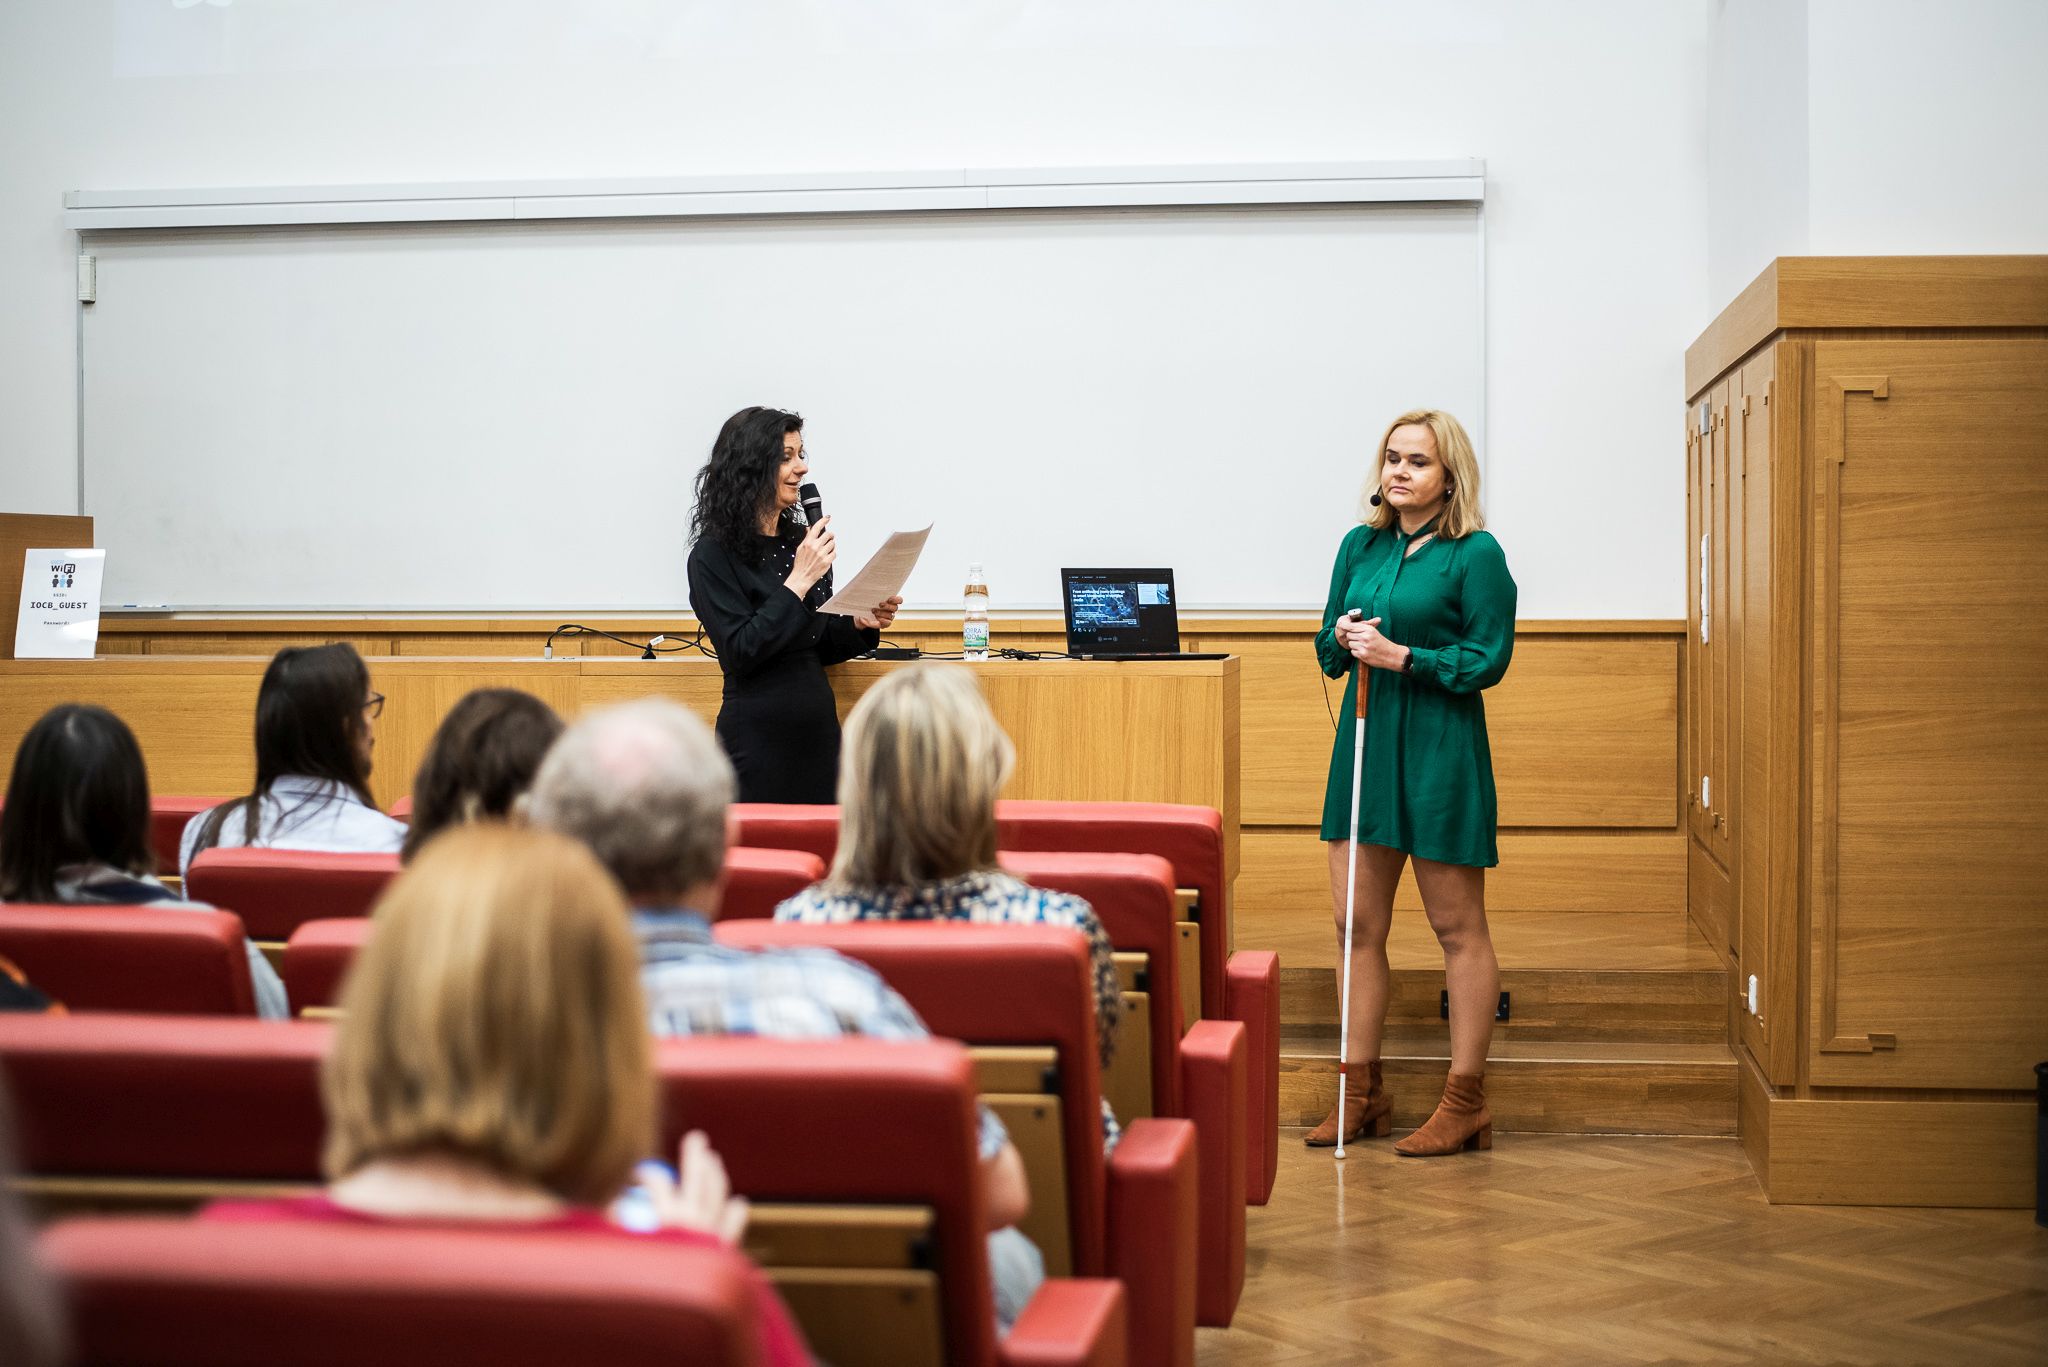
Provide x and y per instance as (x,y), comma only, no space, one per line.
(879,585)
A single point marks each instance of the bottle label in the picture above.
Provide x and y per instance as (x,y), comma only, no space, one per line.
(974,635)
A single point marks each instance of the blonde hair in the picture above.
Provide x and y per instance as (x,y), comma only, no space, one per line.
(1461,468)
(496,1014)
(918,777)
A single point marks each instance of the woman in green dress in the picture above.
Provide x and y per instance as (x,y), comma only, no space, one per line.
(1422,603)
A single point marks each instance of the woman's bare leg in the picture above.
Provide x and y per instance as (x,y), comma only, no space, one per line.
(1379,870)
(1454,897)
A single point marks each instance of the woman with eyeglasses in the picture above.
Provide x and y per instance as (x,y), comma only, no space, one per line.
(315,730)
(758,576)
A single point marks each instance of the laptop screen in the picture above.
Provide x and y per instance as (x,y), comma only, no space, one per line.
(1115,612)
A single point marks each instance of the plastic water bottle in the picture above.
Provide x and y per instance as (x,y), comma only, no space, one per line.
(974,618)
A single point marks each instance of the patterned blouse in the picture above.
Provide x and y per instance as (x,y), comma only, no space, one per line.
(984,898)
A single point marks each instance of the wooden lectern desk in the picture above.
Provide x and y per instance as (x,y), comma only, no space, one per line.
(1127,731)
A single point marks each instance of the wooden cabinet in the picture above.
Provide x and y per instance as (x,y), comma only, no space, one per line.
(1866,673)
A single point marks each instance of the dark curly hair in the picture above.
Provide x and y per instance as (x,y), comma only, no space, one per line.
(737,484)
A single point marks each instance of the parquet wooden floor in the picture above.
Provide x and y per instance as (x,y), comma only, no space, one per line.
(1593,1249)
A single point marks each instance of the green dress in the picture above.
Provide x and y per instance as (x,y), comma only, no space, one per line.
(1428,787)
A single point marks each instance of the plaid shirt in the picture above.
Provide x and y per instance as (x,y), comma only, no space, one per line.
(696,986)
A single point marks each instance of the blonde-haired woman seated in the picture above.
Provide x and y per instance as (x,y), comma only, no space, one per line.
(921,766)
(493,1062)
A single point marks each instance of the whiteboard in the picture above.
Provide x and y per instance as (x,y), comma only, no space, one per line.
(508,415)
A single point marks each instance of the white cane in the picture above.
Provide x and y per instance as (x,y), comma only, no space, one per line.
(1350,893)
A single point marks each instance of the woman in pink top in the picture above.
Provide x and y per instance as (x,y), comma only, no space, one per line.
(493,1062)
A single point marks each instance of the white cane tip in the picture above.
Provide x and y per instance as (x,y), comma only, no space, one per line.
(1340,1151)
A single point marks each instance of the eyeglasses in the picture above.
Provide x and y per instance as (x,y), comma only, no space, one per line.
(373,706)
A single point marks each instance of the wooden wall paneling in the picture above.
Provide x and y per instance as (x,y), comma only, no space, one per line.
(1931,933)
(511,645)
(607,680)
(194,719)
(1584,733)
(1727,535)
(1614,697)
(1902,1153)
(264,644)
(417,697)
(1697,445)
(1764,732)
(1285,875)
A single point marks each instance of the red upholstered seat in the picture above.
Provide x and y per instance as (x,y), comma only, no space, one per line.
(756,880)
(786,826)
(786,1117)
(318,955)
(317,959)
(190,1097)
(132,958)
(176,1292)
(1244,986)
(222,1101)
(1133,1216)
(277,891)
(168,816)
(401,809)
(1201,1075)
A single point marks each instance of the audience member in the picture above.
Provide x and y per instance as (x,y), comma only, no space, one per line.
(315,728)
(918,778)
(493,1061)
(646,786)
(480,762)
(76,827)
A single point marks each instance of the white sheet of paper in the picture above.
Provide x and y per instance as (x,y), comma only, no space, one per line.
(60,604)
(883,577)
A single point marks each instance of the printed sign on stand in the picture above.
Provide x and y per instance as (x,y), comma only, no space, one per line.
(60,605)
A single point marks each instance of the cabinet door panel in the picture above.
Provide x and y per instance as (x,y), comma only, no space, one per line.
(1930,740)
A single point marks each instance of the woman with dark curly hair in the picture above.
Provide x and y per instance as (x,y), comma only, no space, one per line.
(758,576)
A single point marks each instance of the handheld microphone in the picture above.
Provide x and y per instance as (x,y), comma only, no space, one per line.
(814,505)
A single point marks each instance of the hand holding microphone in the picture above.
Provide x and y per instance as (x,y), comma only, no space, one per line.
(814,557)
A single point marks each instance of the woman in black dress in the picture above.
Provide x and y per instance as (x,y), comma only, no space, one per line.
(757,578)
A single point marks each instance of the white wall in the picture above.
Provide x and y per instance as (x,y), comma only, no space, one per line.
(1756,142)
(1590,115)
(1872,128)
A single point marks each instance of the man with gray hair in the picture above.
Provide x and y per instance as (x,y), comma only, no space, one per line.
(645,785)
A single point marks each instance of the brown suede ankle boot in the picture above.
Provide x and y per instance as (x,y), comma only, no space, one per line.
(1461,1121)
(1368,1114)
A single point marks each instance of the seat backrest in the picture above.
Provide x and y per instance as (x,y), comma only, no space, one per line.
(166,1098)
(1132,895)
(132,958)
(786,826)
(276,891)
(223,1294)
(848,1121)
(169,814)
(317,959)
(401,808)
(756,880)
(1003,986)
(1189,838)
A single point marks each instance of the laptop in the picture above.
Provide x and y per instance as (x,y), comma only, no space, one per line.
(1123,615)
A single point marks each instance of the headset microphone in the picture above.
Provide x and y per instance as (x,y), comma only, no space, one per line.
(1375,500)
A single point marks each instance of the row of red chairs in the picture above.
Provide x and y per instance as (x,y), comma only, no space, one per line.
(121,1109)
(1241,986)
